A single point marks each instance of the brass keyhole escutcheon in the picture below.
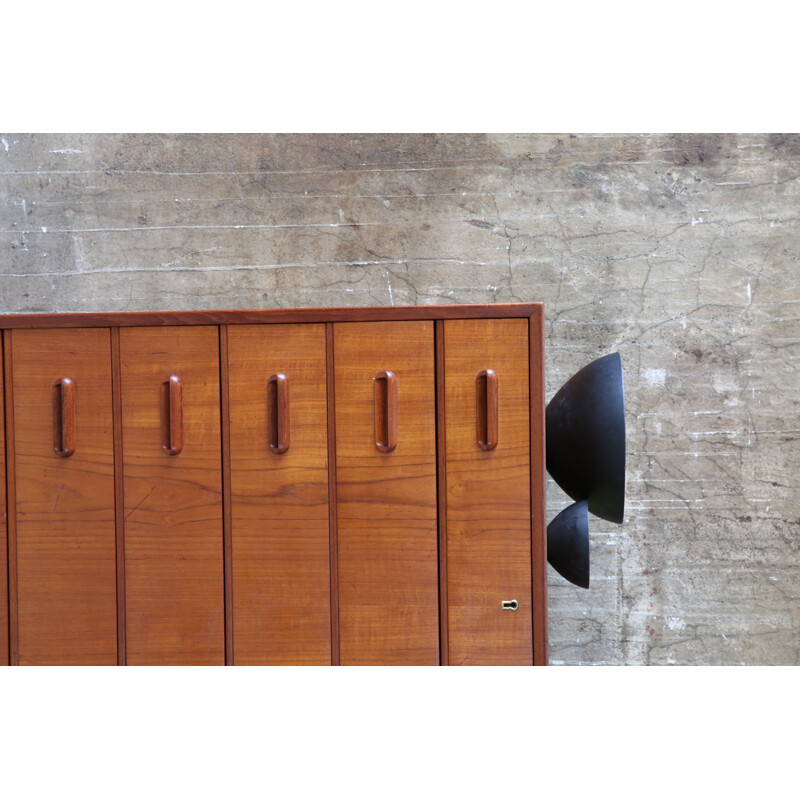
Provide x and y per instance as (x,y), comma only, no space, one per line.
(509,605)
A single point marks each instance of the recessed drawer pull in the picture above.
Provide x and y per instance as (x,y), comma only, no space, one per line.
(510,605)
(64,417)
(172,415)
(278,413)
(386,411)
(486,409)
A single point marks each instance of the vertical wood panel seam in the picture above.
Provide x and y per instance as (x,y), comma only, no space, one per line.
(227,518)
(538,489)
(7,632)
(119,493)
(441,488)
(332,489)
(11,504)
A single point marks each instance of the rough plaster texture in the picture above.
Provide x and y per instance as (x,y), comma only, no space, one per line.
(680,251)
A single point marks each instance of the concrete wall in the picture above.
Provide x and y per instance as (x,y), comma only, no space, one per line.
(679,251)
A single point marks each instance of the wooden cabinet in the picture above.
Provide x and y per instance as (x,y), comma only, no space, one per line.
(319,486)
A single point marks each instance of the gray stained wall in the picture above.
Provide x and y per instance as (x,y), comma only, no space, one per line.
(680,251)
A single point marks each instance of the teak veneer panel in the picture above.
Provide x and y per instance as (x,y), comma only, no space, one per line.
(387,505)
(279,501)
(488,496)
(65,521)
(173,503)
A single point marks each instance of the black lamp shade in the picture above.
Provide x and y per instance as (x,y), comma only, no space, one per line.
(585,437)
(568,544)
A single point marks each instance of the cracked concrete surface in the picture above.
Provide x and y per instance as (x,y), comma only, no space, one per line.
(680,251)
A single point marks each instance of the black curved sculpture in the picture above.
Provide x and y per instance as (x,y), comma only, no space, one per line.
(585,434)
(568,544)
(586,437)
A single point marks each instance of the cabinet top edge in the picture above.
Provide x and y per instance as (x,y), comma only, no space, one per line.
(268,315)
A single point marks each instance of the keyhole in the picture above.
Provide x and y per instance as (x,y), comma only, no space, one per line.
(510,605)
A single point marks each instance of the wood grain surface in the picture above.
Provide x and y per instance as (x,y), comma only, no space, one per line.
(173,503)
(387,531)
(65,522)
(4,631)
(488,495)
(279,501)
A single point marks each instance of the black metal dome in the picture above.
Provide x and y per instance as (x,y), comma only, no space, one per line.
(568,544)
(586,437)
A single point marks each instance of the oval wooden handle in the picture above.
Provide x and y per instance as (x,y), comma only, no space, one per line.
(64,417)
(486,425)
(278,413)
(172,415)
(386,411)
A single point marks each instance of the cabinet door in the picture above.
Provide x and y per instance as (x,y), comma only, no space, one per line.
(488,491)
(279,494)
(173,502)
(386,498)
(64,470)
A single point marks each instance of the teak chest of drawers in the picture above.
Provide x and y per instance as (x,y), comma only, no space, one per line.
(312,486)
